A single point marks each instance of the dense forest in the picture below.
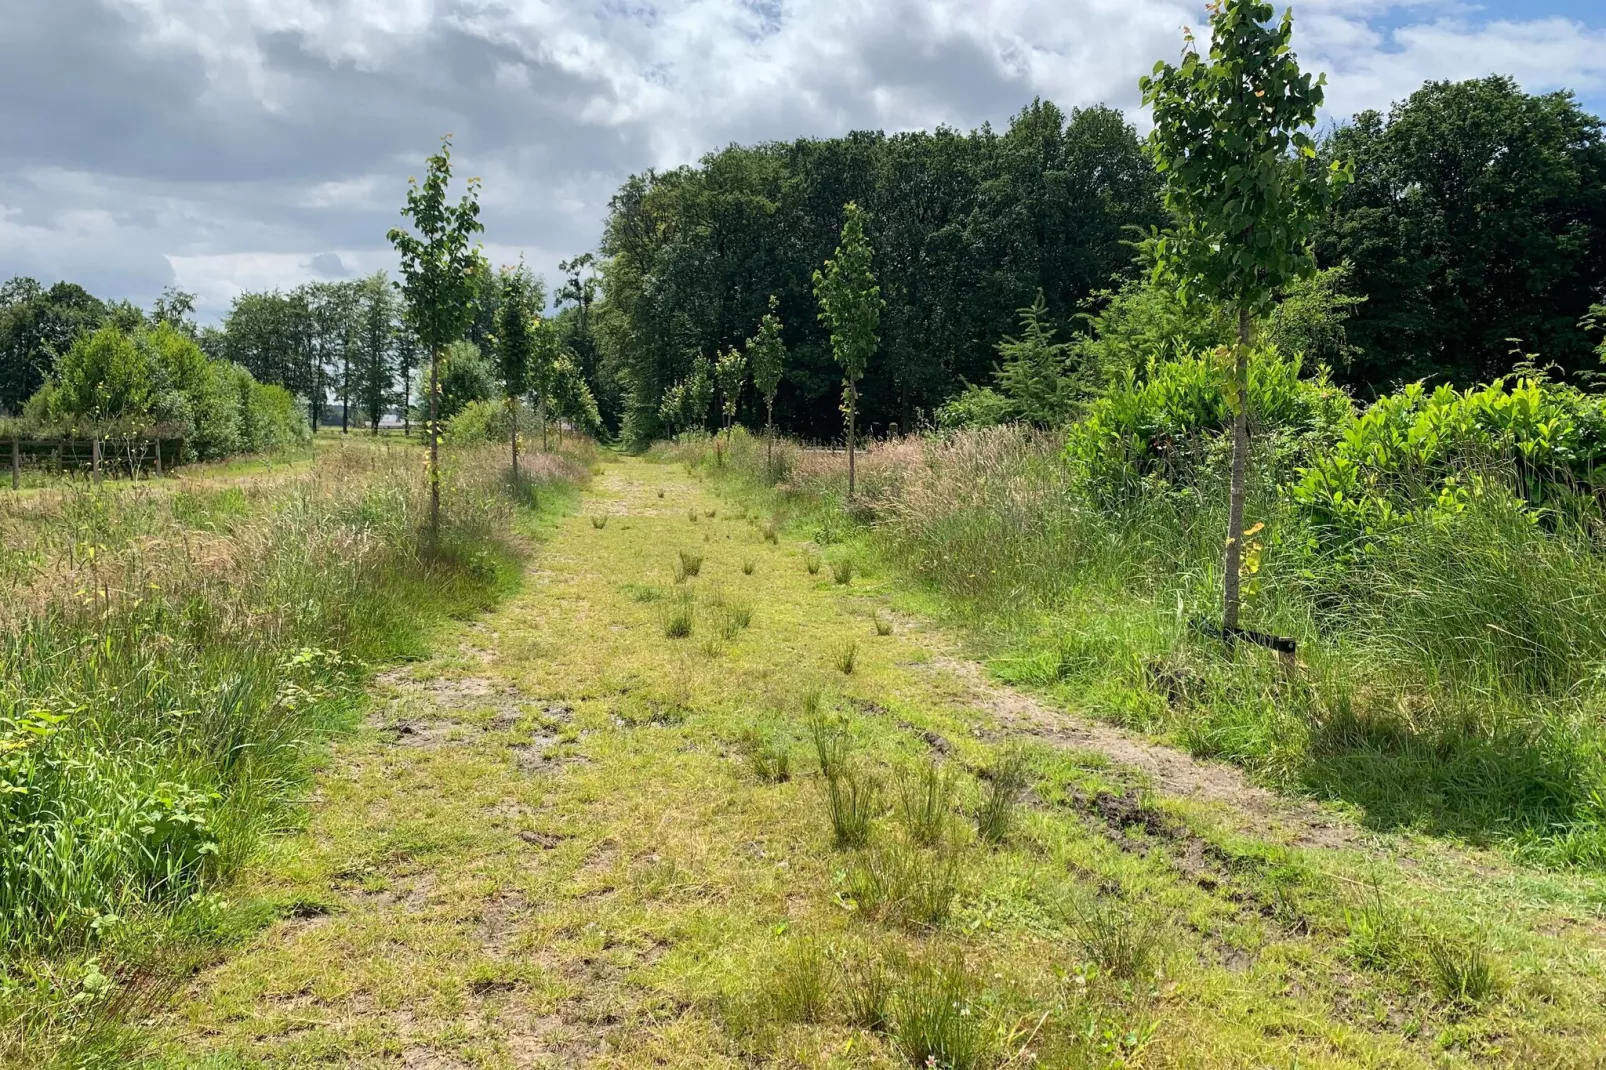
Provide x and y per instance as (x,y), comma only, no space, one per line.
(1471,241)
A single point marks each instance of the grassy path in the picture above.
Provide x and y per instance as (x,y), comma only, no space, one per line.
(561,842)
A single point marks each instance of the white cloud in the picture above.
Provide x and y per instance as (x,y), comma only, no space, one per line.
(224,144)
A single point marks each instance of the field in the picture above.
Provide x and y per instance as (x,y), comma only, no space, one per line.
(718,781)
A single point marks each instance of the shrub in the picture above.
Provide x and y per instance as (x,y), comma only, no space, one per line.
(1159,427)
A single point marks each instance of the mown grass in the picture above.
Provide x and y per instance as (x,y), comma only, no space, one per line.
(173,654)
(1450,680)
(576,858)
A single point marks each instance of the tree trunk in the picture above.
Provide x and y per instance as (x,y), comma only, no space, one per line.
(1240,460)
(434,447)
(94,457)
(158,458)
(542,406)
(513,407)
(16,464)
(853,412)
(407,398)
(345,416)
(769,439)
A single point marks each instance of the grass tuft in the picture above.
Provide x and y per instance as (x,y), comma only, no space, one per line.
(895,881)
(925,799)
(1462,974)
(769,757)
(842,570)
(811,561)
(1002,787)
(679,617)
(938,1020)
(852,802)
(599,521)
(847,656)
(691,564)
(1121,942)
(748,565)
(883,626)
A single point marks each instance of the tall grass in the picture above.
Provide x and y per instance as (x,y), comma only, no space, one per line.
(1452,675)
(168,660)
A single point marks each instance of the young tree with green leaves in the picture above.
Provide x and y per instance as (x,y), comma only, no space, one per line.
(1231,145)
(767,354)
(546,354)
(731,372)
(440,265)
(515,346)
(850,304)
(699,393)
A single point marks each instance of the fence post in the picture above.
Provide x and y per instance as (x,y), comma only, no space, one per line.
(94,456)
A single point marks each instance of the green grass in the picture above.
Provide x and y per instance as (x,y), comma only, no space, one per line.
(1448,681)
(154,731)
(570,855)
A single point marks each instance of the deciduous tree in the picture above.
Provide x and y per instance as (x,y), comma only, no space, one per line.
(850,304)
(1231,145)
(440,264)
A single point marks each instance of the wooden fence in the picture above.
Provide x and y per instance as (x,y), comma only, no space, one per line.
(94,457)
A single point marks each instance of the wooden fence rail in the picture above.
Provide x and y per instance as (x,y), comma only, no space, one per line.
(96,456)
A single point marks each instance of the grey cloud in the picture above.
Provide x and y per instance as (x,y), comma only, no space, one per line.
(213,132)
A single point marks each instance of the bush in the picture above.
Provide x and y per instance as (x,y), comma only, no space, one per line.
(1417,455)
(1161,427)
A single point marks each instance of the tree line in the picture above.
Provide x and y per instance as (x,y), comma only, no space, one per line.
(1472,238)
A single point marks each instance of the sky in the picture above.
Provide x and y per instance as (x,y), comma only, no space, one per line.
(231,145)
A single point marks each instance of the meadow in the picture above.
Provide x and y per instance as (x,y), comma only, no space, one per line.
(176,652)
(1449,675)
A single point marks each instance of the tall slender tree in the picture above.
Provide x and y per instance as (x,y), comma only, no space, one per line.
(1231,145)
(515,346)
(767,354)
(440,264)
(850,304)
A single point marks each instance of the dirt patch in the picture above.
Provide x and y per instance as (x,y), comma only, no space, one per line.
(1171,771)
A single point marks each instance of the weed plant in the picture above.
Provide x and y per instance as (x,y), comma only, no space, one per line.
(1123,943)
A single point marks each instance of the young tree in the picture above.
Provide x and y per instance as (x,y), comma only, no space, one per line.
(699,393)
(376,368)
(1229,140)
(731,372)
(850,303)
(546,354)
(766,354)
(439,268)
(515,345)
